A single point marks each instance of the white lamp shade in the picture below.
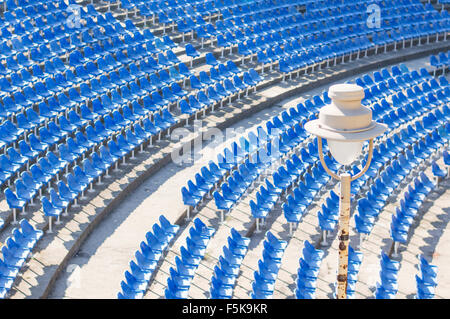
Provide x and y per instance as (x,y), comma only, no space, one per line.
(345,153)
(345,119)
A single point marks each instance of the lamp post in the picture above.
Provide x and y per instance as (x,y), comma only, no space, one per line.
(345,124)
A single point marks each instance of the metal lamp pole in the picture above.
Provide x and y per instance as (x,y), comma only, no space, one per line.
(344,216)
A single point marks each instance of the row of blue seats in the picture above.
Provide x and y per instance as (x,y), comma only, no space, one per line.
(63,37)
(410,82)
(401,113)
(236,186)
(57,20)
(228,28)
(425,31)
(179,282)
(174,11)
(76,96)
(227,25)
(22,11)
(422,133)
(328,216)
(81,179)
(249,171)
(227,270)
(400,73)
(79,56)
(16,250)
(308,271)
(383,187)
(430,93)
(209,176)
(409,207)
(9,134)
(440,62)
(51,166)
(218,93)
(426,280)
(297,203)
(160,53)
(52,83)
(151,251)
(229,161)
(289,63)
(260,160)
(336,5)
(387,286)
(264,278)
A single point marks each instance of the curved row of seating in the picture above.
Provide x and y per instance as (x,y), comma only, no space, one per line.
(151,251)
(50,167)
(328,216)
(75,120)
(278,25)
(321,38)
(381,111)
(15,252)
(179,282)
(387,286)
(189,14)
(306,179)
(237,185)
(384,185)
(409,207)
(308,271)
(228,267)
(440,62)
(254,154)
(141,134)
(218,87)
(426,280)
(268,267)
(243,159)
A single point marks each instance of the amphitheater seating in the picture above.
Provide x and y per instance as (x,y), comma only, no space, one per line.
(432,128)
(413,199)
(440,62)
(394,118)
(151,251)
(227,270)
(426,280)
(77,102)
(329,216)
(387,286)
(191,255)
(18,247)
(268,267)
(125,121)
(308,272)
